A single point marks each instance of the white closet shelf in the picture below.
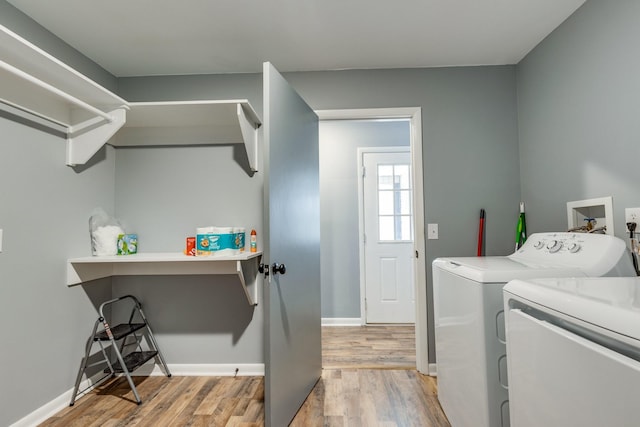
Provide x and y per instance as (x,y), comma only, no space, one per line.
(207,122)
(29,74)
(35,83)
(245,265)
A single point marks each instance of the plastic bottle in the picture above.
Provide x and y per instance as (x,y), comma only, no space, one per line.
(254,241)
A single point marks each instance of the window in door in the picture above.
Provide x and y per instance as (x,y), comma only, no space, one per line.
(394,203)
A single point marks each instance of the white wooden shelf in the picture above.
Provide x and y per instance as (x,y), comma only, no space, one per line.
(192,123)
(35,83)
(28,74)
(80,270)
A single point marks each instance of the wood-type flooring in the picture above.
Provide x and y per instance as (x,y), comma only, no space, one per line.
(376,347)
(361,390)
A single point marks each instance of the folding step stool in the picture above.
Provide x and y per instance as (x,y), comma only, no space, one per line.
(125,362)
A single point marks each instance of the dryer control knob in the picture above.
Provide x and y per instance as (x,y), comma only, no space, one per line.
(539,244)
(554,246)
(574,247)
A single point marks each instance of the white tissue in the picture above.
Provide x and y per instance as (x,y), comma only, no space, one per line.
(105,240)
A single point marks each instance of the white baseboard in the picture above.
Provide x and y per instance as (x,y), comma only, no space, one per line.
(433,370)
(205,370)
(180,370)
(341,321)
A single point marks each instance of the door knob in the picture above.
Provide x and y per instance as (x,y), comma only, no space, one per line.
(278,268)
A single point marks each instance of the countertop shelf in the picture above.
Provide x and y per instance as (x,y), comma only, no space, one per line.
(245,266)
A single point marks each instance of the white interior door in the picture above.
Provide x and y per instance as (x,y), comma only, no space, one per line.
(293,353)
(388,236)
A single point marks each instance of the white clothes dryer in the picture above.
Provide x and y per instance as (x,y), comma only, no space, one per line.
(469,315)
(574,352)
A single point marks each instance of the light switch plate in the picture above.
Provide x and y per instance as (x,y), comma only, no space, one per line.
(0,239)
(432,231)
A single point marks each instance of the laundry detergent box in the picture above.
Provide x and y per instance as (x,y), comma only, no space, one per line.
(215,241)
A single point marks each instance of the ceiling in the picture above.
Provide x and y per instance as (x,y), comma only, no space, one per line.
(163,37)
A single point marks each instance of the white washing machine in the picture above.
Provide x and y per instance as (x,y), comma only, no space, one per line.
(574,352)
(469,315)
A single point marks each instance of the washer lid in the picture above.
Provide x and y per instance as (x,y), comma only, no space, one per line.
(499,269)
(612,303)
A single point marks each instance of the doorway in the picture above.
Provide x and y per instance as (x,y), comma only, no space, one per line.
(345,290)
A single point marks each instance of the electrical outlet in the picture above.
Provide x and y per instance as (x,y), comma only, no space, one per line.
(632,215)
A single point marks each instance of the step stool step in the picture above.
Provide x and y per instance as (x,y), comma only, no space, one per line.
(119,331)
(133,360)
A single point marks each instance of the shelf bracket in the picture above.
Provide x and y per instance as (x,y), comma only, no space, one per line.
(91,136)
(241,266)
(249,131)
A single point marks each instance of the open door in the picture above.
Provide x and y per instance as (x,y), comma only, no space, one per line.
(293,352)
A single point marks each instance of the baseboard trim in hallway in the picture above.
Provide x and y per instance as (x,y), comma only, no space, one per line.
(341,321)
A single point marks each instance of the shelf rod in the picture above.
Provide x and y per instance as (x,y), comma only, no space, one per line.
(29,114)
(49,88)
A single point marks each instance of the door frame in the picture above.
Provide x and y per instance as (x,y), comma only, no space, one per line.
(361,218)
(414,114)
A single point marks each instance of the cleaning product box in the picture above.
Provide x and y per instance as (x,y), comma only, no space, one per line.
(127,244)
(239,233)
(191,246)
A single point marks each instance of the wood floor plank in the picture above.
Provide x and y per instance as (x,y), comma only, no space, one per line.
(185,401)
(333,387)
(213,398)
(201,394)
(351,397)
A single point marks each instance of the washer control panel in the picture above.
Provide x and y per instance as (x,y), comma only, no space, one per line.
(556,242)
(582,250)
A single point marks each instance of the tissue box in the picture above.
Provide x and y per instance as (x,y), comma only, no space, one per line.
(127,244)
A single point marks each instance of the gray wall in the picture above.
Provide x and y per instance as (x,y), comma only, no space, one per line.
(469,142)
(578,109)
(44,212)
(163,194)
(340,259)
